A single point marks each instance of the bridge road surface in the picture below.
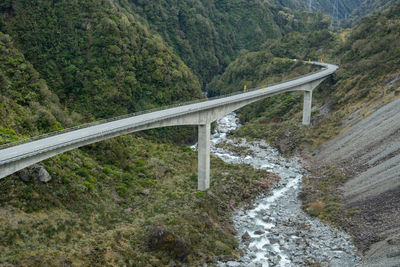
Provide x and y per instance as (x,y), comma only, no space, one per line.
(30,149)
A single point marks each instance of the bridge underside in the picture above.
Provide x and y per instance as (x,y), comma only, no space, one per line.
(201,118)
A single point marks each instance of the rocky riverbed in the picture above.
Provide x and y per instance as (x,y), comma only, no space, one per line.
(276,231)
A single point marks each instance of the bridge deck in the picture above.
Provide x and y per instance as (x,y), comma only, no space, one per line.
(63,139)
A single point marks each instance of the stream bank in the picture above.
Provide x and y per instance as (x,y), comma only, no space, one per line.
(276,231)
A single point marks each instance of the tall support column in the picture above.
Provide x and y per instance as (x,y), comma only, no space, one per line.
(203,180)
(307,107)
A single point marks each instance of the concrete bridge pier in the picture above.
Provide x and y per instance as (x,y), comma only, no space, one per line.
(307,107)
(203,150)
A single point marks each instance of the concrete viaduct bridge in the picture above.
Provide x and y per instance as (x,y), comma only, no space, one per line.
(15,158)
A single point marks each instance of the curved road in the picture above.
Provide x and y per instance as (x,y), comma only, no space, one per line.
(91,134)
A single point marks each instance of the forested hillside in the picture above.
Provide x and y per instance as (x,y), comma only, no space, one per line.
(368,7)
(345,7)
(208,35)
(27,106)
(62,64)
(132,200)
(275,57)
(97,57)
(369,60)
(348,12)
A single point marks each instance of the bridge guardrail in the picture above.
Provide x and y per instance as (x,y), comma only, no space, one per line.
(89,124)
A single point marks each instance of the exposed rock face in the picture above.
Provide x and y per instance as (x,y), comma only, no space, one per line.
(35,172)
(370,153)
(162,239)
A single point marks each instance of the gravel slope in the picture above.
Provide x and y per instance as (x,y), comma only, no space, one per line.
(370,153)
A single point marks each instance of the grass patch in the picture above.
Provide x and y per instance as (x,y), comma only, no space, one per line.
(321,196)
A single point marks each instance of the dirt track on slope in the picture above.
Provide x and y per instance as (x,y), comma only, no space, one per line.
(370,154)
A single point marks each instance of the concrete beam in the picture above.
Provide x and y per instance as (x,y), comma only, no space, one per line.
(307,107)
(203,148)
(18,157)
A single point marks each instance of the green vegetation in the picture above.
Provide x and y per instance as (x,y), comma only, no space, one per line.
(97,57)
(256,69)
(208,35)
(27,106)
(104,202)
(368,7)
(345,7)
(369,57)
(63,64)
(321,196)
(349,11)
(132,200)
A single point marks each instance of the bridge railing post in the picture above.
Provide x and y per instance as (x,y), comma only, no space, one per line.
(203,180)
(307,107)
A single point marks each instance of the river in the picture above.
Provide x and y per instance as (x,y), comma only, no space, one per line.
(276,231)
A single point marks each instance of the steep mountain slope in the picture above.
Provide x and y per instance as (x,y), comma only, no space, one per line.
(133,200)
(208,35)
(96,56)
(278,116)
(345,7)
(258,68)
(27,106)
(369,62)
(348,12)
(372,159)
(369,98)
(360,106)
(125,201)
(368,7)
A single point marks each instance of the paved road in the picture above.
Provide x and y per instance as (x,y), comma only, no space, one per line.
(77,136)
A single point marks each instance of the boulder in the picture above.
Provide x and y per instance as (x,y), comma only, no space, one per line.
(259,232)
(246,237)
(43,176)
(35,172)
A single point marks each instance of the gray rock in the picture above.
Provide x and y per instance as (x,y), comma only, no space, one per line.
(273,240)
(145,192)
(246,237)
(267,219)
(34,172)
(259,232)
(43,175)
(25,175)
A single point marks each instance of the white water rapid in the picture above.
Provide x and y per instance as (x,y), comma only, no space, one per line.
(277,232)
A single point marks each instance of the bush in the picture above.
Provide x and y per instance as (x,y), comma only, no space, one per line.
(315,208)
